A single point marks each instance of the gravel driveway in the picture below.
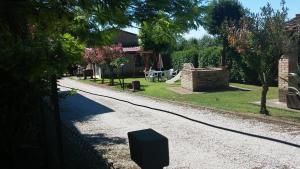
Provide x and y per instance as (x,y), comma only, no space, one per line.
(105,123)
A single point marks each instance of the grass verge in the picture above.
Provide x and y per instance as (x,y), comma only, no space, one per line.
(228,100)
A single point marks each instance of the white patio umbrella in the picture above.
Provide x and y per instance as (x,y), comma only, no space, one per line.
(160,62)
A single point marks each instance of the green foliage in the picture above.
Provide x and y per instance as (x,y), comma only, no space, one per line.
(201,52)
(220,13)
(118,61)
(159,35)
(209,50)
(204,42)
(72,48)
(263,40)
(239,70)
(185,14)
(161,27)
(209,57)
(69,50)
(40,39)
(117,65)
(209,41)
(17,57)
(186,56)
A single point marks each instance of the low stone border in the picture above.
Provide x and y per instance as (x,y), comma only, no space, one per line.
(277,105)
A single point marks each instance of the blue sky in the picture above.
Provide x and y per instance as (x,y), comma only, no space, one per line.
(253,5)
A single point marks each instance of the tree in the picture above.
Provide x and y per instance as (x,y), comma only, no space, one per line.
(35,46)
(219,15)
(262,40)
(160,28)
(106,55)
(185,14)
(159,35)
(208,41)
(117,64)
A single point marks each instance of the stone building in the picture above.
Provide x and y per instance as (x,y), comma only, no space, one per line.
(289,61)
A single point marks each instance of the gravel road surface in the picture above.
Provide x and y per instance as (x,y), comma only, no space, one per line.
(105,123)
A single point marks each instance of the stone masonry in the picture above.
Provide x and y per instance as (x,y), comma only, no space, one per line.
(288,63)
(201,79)
(283,71)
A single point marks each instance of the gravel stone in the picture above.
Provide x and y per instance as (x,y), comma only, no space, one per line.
(105,123)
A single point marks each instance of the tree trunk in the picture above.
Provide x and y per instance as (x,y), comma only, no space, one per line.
(55,102)
(263,101)
(223,57)
(111,71)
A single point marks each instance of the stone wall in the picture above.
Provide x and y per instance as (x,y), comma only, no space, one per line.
(283,71)
(287,64)
(200,79)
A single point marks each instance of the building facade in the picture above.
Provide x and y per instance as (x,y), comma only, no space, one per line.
(289,61)
(138,59)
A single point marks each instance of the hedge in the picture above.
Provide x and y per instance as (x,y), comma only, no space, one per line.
(178,58)
(210,57)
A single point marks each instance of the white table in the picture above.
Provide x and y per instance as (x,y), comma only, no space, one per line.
(155,73)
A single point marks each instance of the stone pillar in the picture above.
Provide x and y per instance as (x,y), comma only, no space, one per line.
(287,64)
(283,71)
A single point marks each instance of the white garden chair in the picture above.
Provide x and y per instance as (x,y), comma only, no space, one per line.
(166,75)
(173,73)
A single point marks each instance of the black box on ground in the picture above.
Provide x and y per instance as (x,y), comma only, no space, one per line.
(149,149)
(136,85)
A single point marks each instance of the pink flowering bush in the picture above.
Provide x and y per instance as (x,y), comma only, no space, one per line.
(104,54)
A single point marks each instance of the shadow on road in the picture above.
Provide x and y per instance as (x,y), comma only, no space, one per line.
(100,138)
(78,108)
(80,148)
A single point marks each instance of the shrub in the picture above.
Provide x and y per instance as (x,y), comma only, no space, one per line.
(239,70)
(210,57)
(186,56)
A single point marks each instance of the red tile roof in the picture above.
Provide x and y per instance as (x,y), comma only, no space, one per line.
(293,24)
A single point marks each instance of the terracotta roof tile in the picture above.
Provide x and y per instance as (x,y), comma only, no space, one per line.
(293,24)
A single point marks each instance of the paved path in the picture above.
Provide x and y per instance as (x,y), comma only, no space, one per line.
(105,123)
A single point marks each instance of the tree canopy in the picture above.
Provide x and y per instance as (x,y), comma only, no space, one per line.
(262,40)
(40,38)
(220,12)
(170,19)
(219,15)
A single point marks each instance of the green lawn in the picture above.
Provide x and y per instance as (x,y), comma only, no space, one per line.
(236,101)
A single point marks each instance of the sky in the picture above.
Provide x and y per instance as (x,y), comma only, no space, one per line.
(253,5)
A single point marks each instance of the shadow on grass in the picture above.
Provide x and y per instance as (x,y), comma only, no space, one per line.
(226,89)
(128,86)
